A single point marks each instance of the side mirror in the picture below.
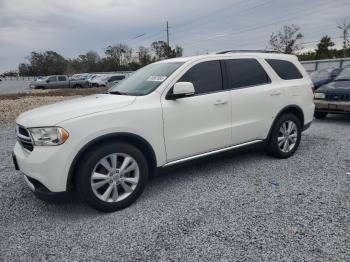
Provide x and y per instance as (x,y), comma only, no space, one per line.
(47,81)
(180,90)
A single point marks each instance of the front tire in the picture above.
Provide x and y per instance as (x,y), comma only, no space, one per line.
(285,137)
(111,176)
(320,115)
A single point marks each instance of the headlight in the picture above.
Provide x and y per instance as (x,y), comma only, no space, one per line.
(48,136)
(320,95)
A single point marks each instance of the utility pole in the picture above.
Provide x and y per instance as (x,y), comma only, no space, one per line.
(167,32)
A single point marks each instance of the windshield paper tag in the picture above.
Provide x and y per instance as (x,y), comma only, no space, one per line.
(156,78)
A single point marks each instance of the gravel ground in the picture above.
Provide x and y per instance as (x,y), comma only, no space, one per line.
(238,207)
(11,105)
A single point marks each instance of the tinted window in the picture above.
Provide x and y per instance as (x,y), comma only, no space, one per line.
(62,78)
(116,78)
(52,79)
(205,77)
(285,69)
(245,72)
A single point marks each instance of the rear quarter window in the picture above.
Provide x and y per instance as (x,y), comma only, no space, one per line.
(285,69)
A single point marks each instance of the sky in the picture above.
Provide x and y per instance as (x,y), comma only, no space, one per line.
(76,27)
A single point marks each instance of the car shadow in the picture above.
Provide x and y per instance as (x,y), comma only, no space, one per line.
(164,178)
(336,118)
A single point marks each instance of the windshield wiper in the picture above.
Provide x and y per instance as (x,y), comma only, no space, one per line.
(117,93)
(342,79)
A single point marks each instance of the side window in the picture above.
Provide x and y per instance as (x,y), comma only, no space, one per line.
(116,78)
(206,77)
(62,78)
(245,72)
(52,79)
(284,69)
(120,77)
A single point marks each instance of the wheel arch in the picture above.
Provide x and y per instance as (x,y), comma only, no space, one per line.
(291,109)
(139,142)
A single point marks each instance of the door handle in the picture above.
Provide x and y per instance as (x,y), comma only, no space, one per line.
(220,102)
(275,93)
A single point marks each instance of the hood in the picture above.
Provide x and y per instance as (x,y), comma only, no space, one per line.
(320,82)
(55,113)
(336,87)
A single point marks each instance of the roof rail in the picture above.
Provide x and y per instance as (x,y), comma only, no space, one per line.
(246,51)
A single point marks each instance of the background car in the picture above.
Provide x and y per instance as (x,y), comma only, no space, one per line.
(107,80)
(334,97)
(58,81)
(323,76)
(96,80)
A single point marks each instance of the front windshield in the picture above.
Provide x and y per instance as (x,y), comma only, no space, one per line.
(320,75)
(146,79)
(344,74)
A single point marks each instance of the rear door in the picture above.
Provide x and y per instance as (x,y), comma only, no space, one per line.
(255,99)
(202,122)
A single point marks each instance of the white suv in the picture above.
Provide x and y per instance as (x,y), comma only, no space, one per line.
(106,146)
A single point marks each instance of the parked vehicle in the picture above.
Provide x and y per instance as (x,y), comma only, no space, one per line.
(107,80)
(334,97)
(58,81)
(169,112)
(95,81)
(323,76)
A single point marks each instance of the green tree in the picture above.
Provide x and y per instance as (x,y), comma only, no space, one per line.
(44,63)
(118,56)
(323,46)
(286,40)
(164,51)
(144,56)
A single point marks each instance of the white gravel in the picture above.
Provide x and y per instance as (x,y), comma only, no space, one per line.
(238,207)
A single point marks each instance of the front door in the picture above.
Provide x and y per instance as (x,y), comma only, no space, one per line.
(202,122)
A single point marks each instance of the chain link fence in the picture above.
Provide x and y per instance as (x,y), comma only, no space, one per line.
(314,65)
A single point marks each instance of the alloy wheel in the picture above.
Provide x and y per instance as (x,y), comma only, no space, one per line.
(115,177)
(287,136)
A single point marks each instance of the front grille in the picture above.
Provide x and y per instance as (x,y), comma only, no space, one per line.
(337,97)
(24,138)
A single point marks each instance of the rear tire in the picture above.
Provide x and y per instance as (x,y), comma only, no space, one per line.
(320,115)
(111,189)
(285,136)
(77,86)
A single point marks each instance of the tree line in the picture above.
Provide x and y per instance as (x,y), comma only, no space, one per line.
(121,57)
(118,57)
(289,40)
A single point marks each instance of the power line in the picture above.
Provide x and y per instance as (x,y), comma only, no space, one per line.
(230,33)
(230,15)
(150,35)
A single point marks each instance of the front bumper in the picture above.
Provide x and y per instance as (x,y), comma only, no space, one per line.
(40,191)
(45,164)
(337,107)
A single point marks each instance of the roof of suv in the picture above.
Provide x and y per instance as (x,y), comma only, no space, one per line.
(233,54)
